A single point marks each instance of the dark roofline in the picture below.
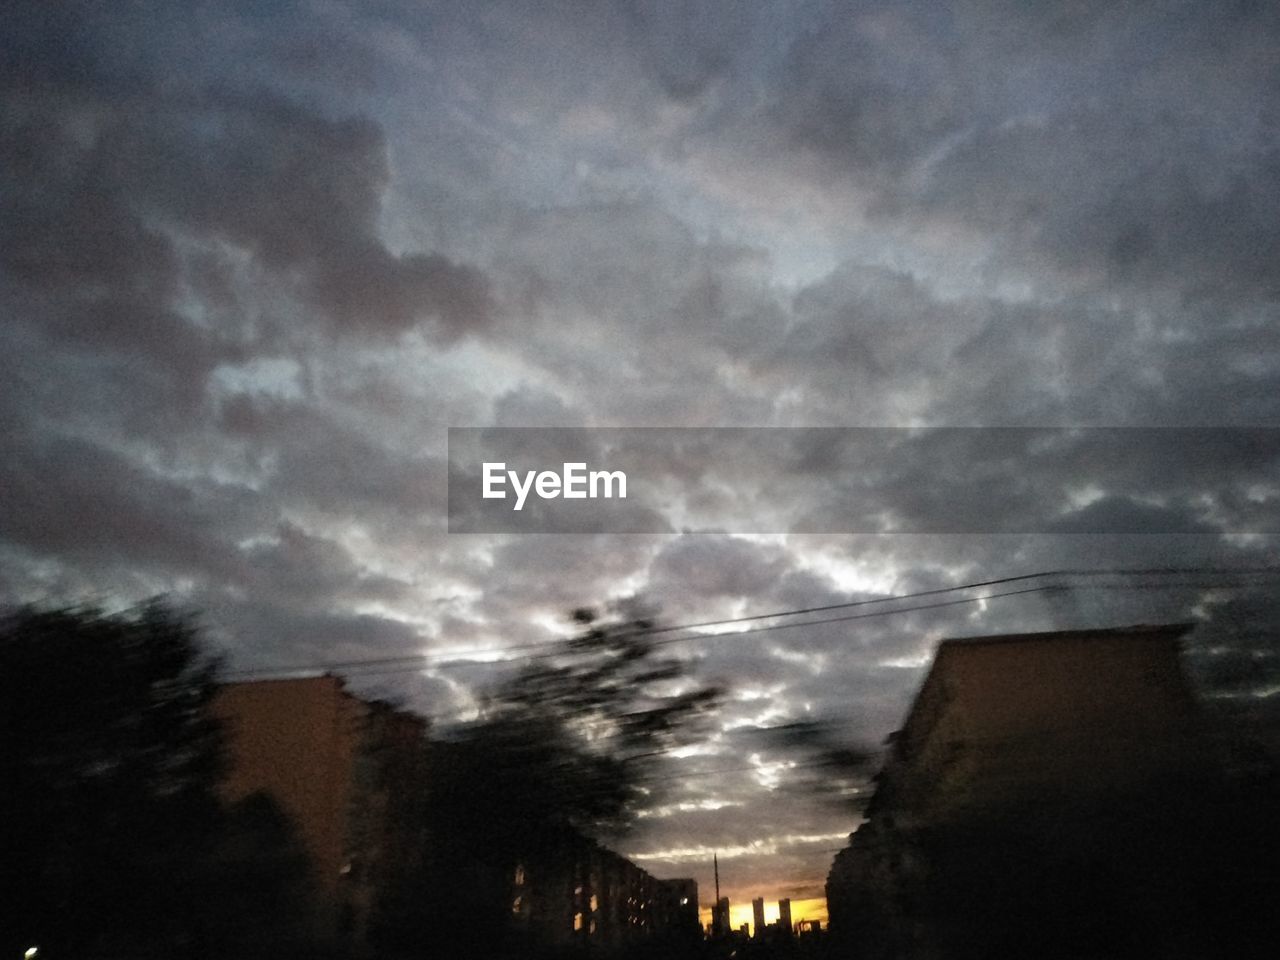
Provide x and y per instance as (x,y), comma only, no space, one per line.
(254,681)
(1140,631)
(375,705)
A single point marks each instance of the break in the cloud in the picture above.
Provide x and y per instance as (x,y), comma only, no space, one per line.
(256,257)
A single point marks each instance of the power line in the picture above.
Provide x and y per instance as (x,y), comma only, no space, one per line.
(456,715)
(341,664)
(356,668)
(375,666)
(460,714)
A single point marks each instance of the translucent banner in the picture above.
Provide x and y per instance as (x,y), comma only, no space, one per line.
(1127,480)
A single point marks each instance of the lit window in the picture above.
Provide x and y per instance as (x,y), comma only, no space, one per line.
(577,921)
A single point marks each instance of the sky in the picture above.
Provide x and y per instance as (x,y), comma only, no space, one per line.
(256,258)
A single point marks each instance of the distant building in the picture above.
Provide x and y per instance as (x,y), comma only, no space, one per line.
(757,915)
(340,768)
(583,895)
(1032,795)
(720,925)
(784,917)
(678,907)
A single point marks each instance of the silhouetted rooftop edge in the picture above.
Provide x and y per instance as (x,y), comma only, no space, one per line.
(1140,631)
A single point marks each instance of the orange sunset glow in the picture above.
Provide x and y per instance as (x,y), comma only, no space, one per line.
(812,908)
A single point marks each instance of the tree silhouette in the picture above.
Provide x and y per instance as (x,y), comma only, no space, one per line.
(562,749)
(577,731)
(107,773)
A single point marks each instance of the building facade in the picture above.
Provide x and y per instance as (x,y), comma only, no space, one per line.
(1033,800)
(585,896)
(352,776)
(345,771)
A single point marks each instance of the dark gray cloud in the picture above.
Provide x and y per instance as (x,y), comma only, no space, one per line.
(118,167)
(305,569)
(71,498)
(716,567)
(1128,144)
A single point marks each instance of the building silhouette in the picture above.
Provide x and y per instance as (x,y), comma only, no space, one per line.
(784,917)
(352,775)
(582,895)
(757,915)
(679,909)
(720,925)
(1052,795)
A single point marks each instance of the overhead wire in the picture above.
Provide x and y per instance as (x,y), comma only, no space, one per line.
(375,666)
(687,632)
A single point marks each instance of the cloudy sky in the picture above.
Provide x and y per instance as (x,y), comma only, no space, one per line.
(257,257)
